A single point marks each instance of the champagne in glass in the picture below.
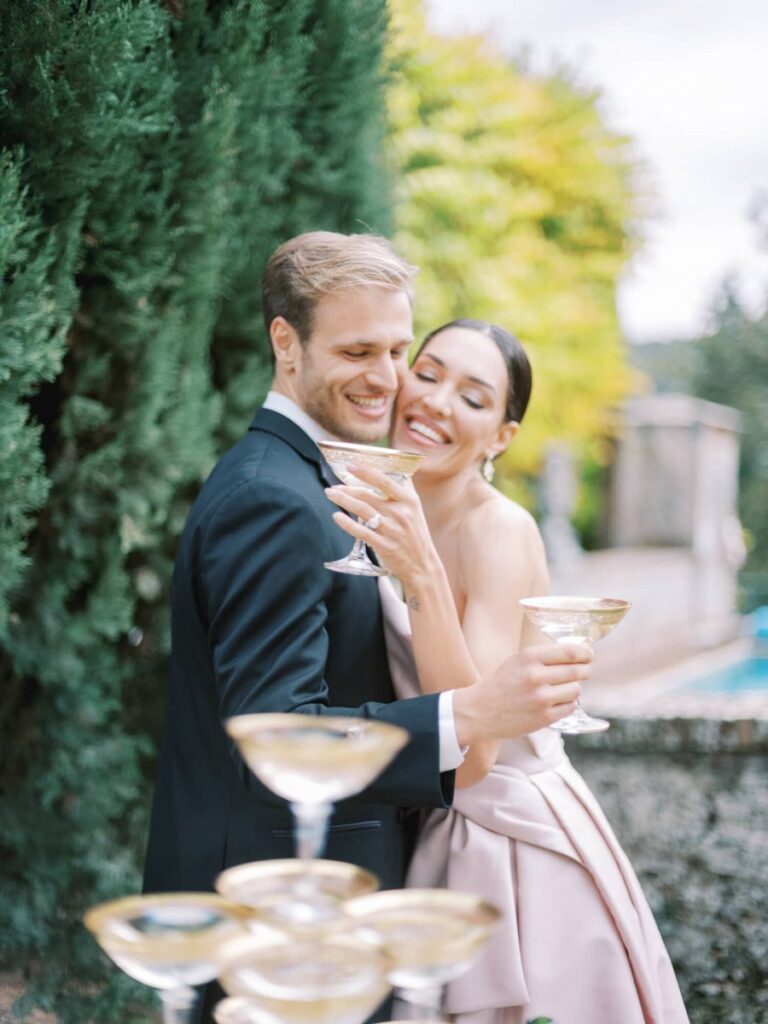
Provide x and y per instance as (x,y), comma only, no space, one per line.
(301,896)
(288,981)
(314,760)
(167,942)
(342,457)
(430,936)
(580,620)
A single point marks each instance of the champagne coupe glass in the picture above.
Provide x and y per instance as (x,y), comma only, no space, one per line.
(301,896)
(167,942)
(342,457)
(578,620)
(314,760)
(430,936)
(290,981)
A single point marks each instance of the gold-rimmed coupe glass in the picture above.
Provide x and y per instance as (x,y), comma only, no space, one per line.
(167,941)
(338,980)
(343,457)
(430,936)
(301,896)
(578,620)
(314,760)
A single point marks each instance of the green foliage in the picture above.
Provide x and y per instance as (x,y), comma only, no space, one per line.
(515,200)
(730,366)
(153,162)
(36,301)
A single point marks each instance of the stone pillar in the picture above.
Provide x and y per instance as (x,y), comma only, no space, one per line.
(675,484)
(557,492)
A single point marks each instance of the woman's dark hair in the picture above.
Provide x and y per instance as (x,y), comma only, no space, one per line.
(519,373)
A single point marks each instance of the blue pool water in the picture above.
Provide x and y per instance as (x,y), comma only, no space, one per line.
(748,675)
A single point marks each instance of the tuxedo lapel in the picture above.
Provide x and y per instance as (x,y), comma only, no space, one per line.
(280,426)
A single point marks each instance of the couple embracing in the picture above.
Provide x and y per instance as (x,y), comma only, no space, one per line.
(259,625)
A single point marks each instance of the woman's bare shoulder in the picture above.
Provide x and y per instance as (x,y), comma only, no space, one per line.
(499,515)
(499,536)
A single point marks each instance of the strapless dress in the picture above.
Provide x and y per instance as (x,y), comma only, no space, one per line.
(578,941)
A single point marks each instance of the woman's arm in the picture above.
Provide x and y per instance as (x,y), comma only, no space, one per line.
(501,560)
(404,545)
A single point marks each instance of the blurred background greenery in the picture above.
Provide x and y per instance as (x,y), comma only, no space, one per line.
(153,155)
(730,366)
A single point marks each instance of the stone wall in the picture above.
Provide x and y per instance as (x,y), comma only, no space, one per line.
(663,624)
(688,800)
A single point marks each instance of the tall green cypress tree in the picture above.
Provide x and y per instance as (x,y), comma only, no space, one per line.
(155,155)
(309,140)
(36,304)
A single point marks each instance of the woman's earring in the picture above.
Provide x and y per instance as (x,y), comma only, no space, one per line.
(488,469)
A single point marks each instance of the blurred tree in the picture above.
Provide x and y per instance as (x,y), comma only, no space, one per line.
(670,364)
(154,155)
(517,202)
(729,365)
(732,368)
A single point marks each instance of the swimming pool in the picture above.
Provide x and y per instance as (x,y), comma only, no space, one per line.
(728,683)
(750,674)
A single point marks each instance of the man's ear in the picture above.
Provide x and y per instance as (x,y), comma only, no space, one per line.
(285,344)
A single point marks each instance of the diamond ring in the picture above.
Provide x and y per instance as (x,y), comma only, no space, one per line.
(374,522)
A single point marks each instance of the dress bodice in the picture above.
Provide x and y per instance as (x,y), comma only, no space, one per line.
(531,839)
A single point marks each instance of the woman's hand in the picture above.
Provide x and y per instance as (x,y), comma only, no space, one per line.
(398,534)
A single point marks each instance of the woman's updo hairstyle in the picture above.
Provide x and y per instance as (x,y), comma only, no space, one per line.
(519,373)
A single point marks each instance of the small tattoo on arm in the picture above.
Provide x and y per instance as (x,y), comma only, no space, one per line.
(415,603)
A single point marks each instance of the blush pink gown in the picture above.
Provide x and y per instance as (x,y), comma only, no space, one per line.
(578,941)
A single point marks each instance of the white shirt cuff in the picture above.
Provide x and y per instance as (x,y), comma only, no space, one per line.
(451,754)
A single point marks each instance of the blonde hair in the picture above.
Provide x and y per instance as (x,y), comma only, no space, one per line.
(307,268)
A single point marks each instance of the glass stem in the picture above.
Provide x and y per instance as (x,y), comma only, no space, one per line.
(358,549)
(427,1001)
(177,1004)
(582,641)
(311,828)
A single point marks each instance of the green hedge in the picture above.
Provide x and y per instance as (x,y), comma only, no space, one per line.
(153,156)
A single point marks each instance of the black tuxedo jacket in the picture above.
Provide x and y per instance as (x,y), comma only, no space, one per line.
(258,624)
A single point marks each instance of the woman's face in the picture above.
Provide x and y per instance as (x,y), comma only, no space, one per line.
(451,406)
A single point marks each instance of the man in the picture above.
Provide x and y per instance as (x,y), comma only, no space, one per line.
(259,625)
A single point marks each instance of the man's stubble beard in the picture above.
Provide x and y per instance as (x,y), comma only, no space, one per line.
(314,406)
(344,431)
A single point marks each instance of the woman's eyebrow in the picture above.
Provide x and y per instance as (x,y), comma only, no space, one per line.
(475,380)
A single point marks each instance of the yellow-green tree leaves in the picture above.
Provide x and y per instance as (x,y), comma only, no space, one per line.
(516,201)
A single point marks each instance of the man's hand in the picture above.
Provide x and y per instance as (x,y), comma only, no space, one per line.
(534,688)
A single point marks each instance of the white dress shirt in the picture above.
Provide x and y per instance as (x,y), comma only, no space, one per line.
(451,755)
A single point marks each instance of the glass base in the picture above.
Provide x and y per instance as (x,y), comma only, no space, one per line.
(579,722)
(357,566)
(425,1002)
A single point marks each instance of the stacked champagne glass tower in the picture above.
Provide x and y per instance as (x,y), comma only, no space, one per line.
(305,940)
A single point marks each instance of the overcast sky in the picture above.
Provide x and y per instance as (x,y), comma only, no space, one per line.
(688,80)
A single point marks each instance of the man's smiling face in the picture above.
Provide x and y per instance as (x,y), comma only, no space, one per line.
(349,371)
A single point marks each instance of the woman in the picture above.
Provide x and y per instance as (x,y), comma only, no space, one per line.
(578,941)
